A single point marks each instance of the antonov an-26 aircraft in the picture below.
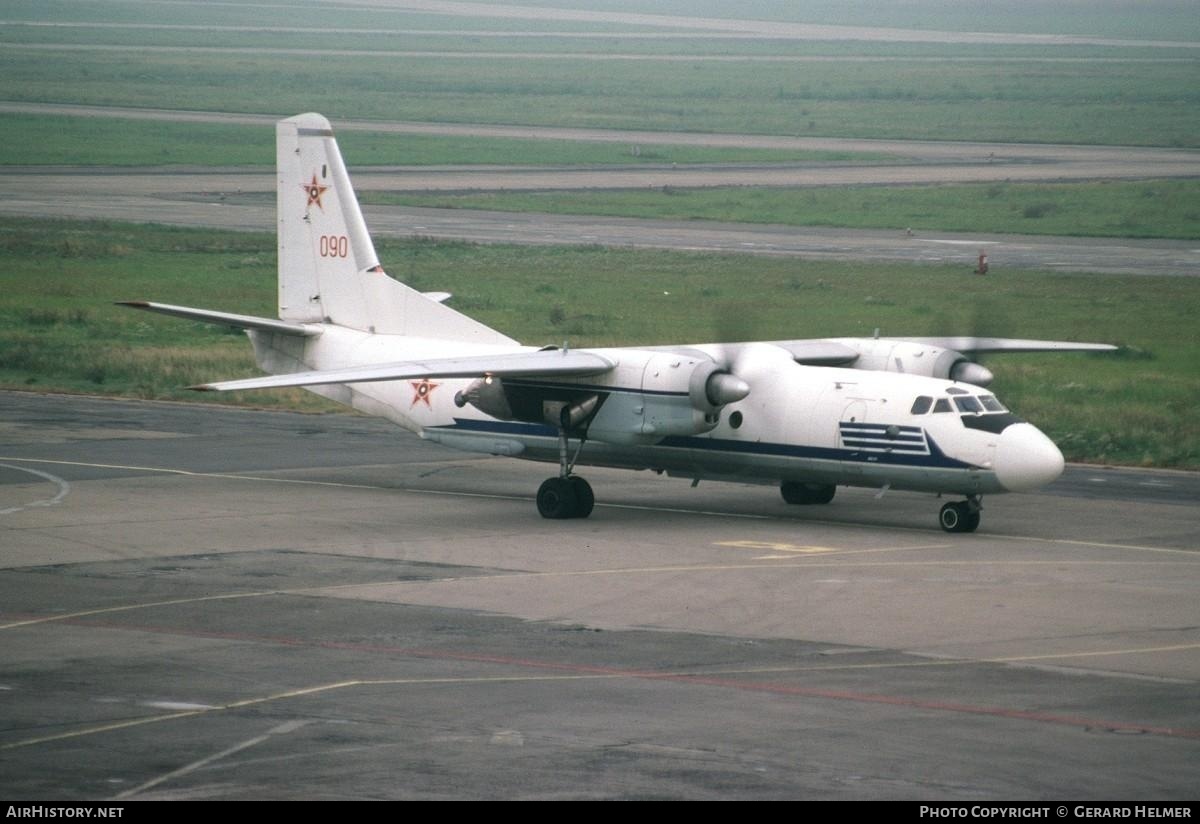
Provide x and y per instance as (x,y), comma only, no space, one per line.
(809,415)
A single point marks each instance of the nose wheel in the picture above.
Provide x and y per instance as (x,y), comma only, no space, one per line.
(960,516)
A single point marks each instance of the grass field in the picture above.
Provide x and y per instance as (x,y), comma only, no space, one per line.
(60,331)
(116,141)
(490,68)
(1149,209)
(979,100)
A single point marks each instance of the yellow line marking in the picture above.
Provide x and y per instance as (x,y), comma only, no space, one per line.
(778,547)
(682,568)
(127,607)
(799,549)
(319,590)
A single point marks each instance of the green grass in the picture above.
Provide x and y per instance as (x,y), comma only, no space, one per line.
(1141,19)
(1146,209)
(60,331)
(400,38)
(116,141)
(1105,103)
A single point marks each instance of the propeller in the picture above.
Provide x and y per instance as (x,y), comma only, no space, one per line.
(716,383)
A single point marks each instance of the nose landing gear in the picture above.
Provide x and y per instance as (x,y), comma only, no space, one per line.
(961,516)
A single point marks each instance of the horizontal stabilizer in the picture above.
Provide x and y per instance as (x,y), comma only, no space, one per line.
(225,318)
(537,363)
(970,344)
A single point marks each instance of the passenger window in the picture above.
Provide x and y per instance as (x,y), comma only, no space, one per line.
(921,405)
(991,404)
(942,405)
(968,405)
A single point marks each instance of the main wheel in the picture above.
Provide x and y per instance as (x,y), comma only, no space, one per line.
(795,492)
(971,523)
(584,499)
(556,498)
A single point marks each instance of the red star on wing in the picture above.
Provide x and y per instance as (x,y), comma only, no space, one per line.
(314,190)
(422,389)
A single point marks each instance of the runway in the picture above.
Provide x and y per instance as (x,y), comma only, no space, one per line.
(198,602)
(243,198)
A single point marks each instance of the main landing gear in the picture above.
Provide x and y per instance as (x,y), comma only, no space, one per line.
(961,516)
(567,495)
(796,492)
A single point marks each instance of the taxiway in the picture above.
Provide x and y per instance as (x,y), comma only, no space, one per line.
(199,602)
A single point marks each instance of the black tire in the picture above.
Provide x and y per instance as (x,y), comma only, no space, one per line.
(959,517)
(952,517)
(556,499)
(584,498)
(971,522)
(796,492)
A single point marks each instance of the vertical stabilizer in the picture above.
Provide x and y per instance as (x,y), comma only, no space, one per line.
(328,269)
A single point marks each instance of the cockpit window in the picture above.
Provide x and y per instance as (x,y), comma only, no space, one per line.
(921,405)
(991,404)
(954,390)
(969,404)
(942,405)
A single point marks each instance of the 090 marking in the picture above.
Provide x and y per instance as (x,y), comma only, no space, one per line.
(335,246)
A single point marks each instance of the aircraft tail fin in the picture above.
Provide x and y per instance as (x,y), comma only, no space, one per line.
(328,269)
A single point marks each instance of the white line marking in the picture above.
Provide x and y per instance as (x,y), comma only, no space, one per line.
(177,705)
(962,242)
(64,489)
(203,762)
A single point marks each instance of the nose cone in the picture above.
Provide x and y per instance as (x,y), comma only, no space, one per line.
(1026,459)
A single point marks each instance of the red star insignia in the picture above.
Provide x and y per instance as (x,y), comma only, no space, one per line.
(422,389)
(314,190)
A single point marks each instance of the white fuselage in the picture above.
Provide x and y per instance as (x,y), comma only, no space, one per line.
(799,423)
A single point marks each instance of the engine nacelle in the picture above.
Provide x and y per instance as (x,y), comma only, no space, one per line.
(488,396)
(883,355)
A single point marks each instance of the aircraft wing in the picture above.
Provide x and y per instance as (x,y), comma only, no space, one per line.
(970,345)
(549,362)
(226,318)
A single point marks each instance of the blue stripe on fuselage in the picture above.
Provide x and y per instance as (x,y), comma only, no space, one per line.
(934,459)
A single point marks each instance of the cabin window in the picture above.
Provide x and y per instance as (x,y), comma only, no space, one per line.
(968,404)
(991,404)
(942,405)
(921,405)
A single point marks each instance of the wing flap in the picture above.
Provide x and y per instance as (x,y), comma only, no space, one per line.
(541,363)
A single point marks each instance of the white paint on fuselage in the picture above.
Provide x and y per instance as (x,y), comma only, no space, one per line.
(789,424)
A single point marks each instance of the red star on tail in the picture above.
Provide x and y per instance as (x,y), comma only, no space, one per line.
(314,190)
